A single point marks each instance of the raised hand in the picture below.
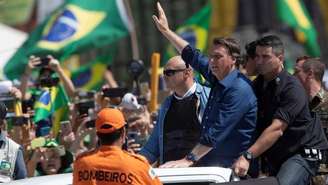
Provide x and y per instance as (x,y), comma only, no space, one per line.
(161,21)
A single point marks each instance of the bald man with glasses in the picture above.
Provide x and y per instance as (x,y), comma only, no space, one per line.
(178,126)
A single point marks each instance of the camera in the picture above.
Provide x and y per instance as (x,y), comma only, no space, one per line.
(84,106)
(136,67)
(117,92)
(43,62)
(85,102)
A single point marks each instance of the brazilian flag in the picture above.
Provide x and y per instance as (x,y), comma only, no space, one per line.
(294,14)
(194,31)
(90,75)
(75,27)
(52,103)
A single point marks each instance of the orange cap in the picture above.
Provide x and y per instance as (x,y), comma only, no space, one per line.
(112,117)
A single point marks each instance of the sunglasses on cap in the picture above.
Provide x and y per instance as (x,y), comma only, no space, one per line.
(171,72)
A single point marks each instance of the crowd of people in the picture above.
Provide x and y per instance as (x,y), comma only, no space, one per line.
(251,116)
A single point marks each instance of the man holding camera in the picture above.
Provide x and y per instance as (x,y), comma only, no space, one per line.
(12,166)
(109,164)
(47,65)
(178,125)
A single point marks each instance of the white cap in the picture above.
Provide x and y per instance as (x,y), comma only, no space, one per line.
(130,102)
(5,86)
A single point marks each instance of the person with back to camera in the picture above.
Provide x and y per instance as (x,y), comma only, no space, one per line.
(109,164)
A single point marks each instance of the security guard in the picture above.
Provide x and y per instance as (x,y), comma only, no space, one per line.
(12,166)
(109,164)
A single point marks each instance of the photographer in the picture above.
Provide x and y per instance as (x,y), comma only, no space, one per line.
(83,129)
(83,119)
(12,162)
(49,159)
(139,122)
(49,63)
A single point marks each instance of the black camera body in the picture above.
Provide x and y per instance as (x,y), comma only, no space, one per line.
(43,62)
(84,106)
(86,101)
(117,92)
(136,68)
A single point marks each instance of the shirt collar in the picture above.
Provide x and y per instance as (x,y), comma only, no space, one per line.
(277,80)
(228,80)
(2,136)
(109,147)
(188,93)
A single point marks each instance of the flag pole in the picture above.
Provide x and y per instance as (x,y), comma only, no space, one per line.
(133,34)
(155,61)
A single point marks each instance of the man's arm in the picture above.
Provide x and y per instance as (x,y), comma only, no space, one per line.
(68,84)
(27,73)
(190,55)
(199,151)
(269,136)
(266,140)
(163,26)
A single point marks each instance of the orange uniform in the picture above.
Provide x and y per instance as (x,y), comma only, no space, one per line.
(111,165)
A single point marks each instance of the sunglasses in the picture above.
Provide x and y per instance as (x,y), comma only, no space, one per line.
(171,72)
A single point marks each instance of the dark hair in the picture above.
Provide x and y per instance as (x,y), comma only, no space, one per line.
(231,44)
(233,47)
(110,138)
(316,66)
(305,57)
(251,49)
(47,71)
(272,41)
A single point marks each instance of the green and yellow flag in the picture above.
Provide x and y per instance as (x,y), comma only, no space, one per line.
(52,103)
(294,14)
(194,30)
(90,75)
(77,26)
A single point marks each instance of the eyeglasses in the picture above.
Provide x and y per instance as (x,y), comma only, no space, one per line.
(171,72)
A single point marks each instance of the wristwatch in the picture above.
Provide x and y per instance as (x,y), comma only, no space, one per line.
(191,157)
(248,156)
